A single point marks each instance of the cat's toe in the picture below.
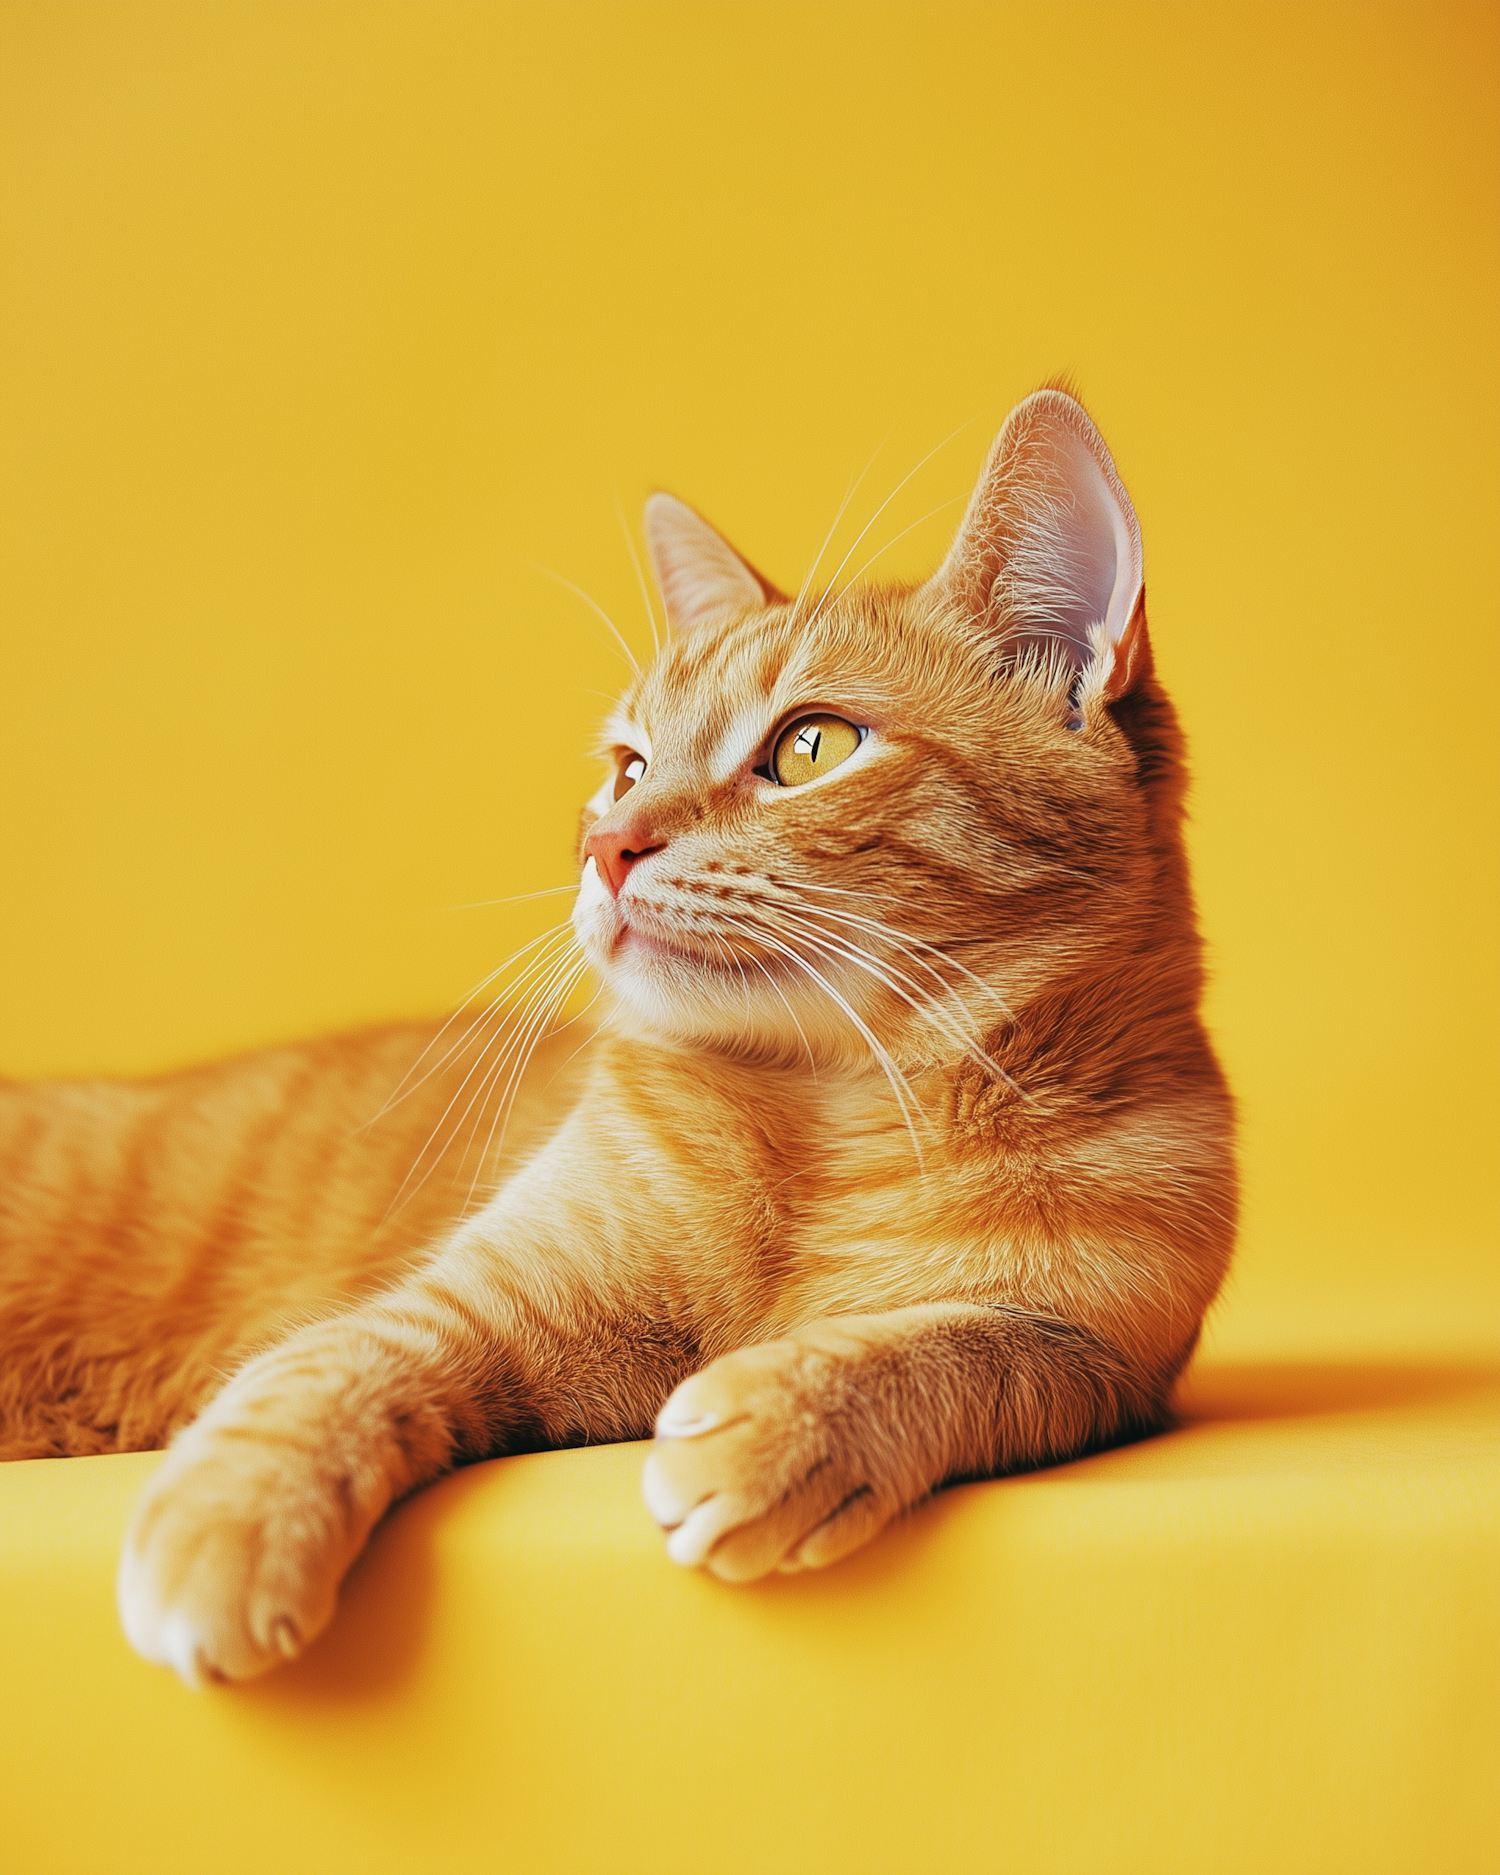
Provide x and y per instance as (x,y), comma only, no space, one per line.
(172,1639)
(193,1601)
(217,1584)
(751,1472)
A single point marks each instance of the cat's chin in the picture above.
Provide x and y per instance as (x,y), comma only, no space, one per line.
(690,991)
(665,995)
(636,949)
(671,990)
(706,1023)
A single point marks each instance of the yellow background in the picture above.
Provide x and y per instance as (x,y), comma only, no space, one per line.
(326,327)
(323,328)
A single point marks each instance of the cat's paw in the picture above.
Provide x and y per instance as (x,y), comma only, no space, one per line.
(232,1561)
(765,1461)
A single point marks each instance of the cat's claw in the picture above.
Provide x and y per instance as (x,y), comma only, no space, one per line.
(224,1574)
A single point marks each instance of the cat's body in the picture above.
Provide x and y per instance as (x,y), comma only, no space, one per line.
(900,1153)
(153,1234)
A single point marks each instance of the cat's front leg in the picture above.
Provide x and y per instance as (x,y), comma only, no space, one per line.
(789,1454)
(519,1329)
(234,1557)
(235,1554)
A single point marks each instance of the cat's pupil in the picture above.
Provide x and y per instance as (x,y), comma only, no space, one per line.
(808,743)
(631,771)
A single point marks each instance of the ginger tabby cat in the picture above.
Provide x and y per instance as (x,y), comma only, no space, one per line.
(899,1155)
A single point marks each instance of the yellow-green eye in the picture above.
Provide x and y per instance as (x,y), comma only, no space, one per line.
(811,747)
(629,772)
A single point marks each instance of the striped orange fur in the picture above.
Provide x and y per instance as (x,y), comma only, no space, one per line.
(899,1153)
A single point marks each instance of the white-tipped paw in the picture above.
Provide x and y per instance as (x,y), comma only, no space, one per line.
(230,1566)
(758,1466)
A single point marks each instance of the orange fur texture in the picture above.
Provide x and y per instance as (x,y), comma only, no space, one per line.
(899,1153)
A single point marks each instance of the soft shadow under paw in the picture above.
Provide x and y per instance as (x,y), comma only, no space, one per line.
(371,1648)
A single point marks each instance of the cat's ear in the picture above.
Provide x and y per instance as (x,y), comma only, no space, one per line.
(1049,553)
(696,568)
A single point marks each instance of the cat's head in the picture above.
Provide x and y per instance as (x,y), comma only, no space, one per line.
(885,818)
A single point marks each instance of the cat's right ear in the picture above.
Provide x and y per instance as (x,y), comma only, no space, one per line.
(1048,557)
(699,573)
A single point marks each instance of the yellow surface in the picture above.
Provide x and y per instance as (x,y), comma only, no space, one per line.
(322,329)
(1267,1644)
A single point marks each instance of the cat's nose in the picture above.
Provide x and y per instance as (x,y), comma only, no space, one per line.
(615,850)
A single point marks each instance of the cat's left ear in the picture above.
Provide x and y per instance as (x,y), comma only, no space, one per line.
(696,568)
(1049,553)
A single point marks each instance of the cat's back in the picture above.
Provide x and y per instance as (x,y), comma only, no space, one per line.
(154,1231)
(224,1151)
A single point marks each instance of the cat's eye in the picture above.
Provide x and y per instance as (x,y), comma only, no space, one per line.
(628,773)
(811,747)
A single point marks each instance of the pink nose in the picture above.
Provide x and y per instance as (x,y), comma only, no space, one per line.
(615,850)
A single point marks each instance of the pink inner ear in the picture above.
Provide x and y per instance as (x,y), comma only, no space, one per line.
(1102,544)
(1075,563)
(699,573)
(1050,548)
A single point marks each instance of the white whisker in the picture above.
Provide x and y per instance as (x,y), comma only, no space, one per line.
(849,494)
(519,1017)
(812,1060)
(594,606)
(512,898)
(896,981)
(911,527)
(828,591)
(542,965)
(541,1025)
(906,1100)
(520,1020)
(904,939)
(402,1090)
(640,579)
